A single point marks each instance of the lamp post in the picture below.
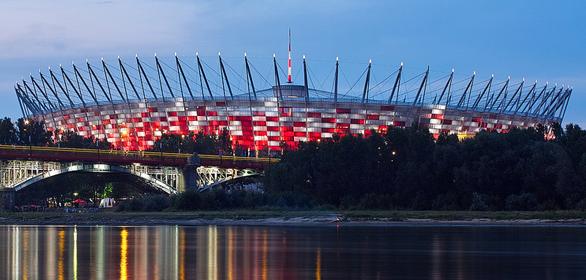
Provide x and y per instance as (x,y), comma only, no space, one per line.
(182,141)
(98,146)
(28,131)
(60,139)
(161,149)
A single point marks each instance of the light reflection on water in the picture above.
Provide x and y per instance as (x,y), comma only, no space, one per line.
(225,252)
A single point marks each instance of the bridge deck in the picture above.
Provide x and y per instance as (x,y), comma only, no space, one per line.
(127,157)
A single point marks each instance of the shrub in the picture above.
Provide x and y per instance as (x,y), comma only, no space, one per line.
(145,203)
(479,202)
(519,202)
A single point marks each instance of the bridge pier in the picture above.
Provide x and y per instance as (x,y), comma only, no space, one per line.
(189,178)
(7,198)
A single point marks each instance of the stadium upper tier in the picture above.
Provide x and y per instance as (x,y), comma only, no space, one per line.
(133,104)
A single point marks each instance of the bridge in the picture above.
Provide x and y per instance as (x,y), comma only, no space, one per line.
(23,166)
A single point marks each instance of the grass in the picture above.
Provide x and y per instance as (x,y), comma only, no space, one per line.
(464,215)
(111,217)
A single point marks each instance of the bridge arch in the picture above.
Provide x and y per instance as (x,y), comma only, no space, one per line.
(97,168)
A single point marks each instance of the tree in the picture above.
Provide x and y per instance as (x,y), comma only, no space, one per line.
(8,134)
(32,132)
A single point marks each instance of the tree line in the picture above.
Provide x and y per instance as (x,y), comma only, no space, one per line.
(406,168)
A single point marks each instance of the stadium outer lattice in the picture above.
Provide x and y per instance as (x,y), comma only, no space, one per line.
(132,104)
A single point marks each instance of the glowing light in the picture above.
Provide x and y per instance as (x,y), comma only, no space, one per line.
(123,254)
(61,255)
(318,264)
(75,252)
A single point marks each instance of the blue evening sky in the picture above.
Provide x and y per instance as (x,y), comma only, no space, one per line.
(538,40)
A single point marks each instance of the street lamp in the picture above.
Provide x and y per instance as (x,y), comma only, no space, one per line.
(161,149)
(98,146)
(182,140)
(60,135)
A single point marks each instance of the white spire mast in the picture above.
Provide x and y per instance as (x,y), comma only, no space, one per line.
(289,63)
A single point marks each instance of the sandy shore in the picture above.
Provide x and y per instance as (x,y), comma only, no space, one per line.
(299,218)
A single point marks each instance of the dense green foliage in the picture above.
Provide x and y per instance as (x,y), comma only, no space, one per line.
(31,132)
(198,143)
(407,169)
(193,200)
(402,169)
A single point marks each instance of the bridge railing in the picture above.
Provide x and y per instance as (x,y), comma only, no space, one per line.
(127,157)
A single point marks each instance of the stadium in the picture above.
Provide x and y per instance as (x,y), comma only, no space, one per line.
(133,103)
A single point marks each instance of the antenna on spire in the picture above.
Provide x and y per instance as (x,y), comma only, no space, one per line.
(289,63)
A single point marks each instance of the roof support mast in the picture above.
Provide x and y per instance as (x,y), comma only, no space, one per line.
(203,74)
(46,84)
(505,87)
(108,74)
(397,85)
(422,87)
(249,76)
(143,74)
(277,80)
(225,76)
(78,93)
(563,114)
(125,73)
(33,93)
(180,70)
(98,82)
(514,98)
(336,82)
(467,92)
(484,91)
(162,73)
(44,92)
(366,83)
(530,93)
(64,90)
(305,81)
(529,107)
(448,84)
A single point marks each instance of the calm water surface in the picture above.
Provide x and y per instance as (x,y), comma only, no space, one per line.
(226,252)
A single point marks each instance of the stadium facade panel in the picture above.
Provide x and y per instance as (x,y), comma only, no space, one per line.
(151,104)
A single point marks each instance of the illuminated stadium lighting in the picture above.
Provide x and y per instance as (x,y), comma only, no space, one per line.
(133,103)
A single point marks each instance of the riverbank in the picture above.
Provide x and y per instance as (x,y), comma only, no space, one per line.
(257,217)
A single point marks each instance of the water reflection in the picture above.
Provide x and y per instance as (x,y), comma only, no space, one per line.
(216,252)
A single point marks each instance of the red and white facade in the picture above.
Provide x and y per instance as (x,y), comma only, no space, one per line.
(267,123)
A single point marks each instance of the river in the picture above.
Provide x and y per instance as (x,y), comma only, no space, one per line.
(284,252)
